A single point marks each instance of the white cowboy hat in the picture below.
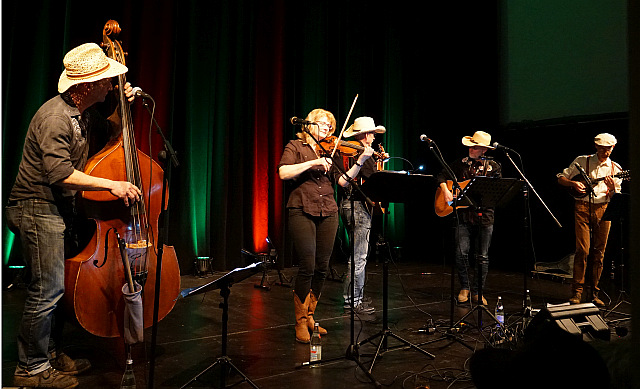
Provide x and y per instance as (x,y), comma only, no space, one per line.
(87,63)
(479,138)
(605,139)
(363,125)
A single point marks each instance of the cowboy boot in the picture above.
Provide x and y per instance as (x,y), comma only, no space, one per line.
(313,303)
(302,317)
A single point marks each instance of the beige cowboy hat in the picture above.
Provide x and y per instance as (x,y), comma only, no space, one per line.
(87,63)
(479,138)
(363,125)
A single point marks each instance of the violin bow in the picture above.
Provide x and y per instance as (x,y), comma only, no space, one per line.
(344,126)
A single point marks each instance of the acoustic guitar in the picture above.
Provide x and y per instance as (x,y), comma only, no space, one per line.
(625,175)
(444,208)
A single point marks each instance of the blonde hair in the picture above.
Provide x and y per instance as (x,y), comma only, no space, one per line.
(315,116)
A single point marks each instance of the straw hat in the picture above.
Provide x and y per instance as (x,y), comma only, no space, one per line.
(479,138)
(605,139)
(87,63)
(363,125)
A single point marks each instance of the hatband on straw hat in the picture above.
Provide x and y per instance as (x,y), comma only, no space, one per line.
(363,125)
(605,139)
(87,63)
(479,138)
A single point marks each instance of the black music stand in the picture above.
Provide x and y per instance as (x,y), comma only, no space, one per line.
(393,187)
(270,260)
(618,209)
(487,192)
(224,284)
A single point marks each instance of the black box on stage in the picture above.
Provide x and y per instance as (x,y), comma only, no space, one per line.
(581,320)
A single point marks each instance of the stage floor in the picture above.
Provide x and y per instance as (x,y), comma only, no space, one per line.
(261,339)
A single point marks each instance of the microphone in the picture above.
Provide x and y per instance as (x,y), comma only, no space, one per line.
(424,138)
(296,121)
(498,146)
(137,91)
(587,180)
(584,174)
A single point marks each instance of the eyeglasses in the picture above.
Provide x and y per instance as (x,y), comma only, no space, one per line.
(323,124)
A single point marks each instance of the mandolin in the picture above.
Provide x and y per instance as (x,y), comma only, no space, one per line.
(625,175)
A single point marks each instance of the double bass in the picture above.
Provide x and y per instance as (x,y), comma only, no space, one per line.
(95,277)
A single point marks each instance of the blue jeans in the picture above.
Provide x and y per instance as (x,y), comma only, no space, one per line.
(361,232)
(313,238)
(41,228)
(480,237)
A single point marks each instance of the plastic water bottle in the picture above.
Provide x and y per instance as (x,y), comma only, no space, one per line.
(315,345)
(500,311)
(128,379)
(527,308)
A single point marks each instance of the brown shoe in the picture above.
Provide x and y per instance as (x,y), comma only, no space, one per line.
(576,298)
(596,301)
(463,296)
(474,298)
(50,378)
(65,365)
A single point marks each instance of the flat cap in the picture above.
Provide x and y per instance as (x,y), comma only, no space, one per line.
(605,139)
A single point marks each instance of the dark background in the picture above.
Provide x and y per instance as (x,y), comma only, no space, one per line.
(227,76)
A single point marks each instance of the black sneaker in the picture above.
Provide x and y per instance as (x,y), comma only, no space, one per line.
(65,365)
(50,378)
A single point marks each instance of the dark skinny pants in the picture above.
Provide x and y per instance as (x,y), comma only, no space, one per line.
(313,238)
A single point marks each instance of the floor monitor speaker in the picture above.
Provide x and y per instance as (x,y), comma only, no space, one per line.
(581,320)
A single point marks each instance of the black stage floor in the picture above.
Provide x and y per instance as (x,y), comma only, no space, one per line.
(261,337)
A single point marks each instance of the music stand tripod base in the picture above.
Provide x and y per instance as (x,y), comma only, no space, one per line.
(393,187)
(617,210)
(268,261)
(224,284)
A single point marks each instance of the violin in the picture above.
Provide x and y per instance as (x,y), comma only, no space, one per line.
(380,162)
(348,148)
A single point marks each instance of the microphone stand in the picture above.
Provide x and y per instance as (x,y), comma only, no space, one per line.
(450,334)
(528,185)
(526,220)
(352,351)
(589,188)
(162,235)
